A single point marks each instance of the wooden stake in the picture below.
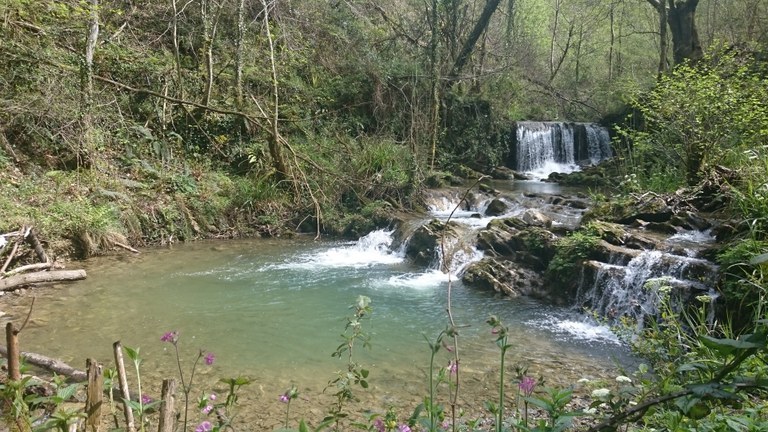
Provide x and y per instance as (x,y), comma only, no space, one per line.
(33,241)
(95,396)
(118,349)
(167,413)
(12,339)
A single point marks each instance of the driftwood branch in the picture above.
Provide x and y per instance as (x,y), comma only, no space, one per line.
(26,268)
(49,364)
(126,247)
(41,277)
(10,257)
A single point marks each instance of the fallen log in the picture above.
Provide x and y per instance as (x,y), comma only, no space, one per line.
(12,282)
(50,364)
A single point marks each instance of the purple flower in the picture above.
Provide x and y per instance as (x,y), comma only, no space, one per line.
(404,428)
(171,336)
(453,367)
(284,398)
(207,409)
(212,397)
(205,426)
(379,425)
(145,399)
(526,385)
(209,358)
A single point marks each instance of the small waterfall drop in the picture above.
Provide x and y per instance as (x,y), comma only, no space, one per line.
(545,147)
(633,290)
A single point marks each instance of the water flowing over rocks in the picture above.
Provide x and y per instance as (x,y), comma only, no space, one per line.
(506,241)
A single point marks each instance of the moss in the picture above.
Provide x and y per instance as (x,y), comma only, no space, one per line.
(570,252)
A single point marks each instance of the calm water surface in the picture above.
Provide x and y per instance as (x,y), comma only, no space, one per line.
(273,310)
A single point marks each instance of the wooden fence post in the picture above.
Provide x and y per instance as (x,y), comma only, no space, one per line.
(95,395)
(166,408)
(12,340)
(118,349)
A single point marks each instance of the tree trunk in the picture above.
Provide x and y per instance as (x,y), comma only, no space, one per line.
(612,17)
(434,57)
(555,24)
(176,54)
(663,37)
(685,37)
(206,16)
(275,146)
(239,53)
(87,147)
(681,20)
(477,31)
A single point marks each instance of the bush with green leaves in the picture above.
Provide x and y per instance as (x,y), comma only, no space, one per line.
(570,252)
(699,116)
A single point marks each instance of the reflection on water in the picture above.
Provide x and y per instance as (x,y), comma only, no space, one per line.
(274,309)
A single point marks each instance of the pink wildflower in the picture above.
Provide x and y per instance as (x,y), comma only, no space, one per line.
(526,385)
(205,426)
(171,336)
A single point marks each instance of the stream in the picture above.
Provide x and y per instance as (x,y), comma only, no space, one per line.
(273,310)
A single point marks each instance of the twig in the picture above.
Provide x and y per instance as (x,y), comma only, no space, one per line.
(29,314)
(449,309)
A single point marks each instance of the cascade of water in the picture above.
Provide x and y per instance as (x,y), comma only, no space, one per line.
(598,143)
(615,291)
(545,147)
(540,144)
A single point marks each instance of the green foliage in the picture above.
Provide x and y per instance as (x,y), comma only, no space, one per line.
(697,117)
(744,279)
(354,374)
(570,252)
(388,165)
(25,411)
(749,193)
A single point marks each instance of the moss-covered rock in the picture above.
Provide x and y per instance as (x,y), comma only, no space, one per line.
(503,276)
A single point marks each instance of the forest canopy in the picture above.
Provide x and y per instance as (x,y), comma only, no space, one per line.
(234,104)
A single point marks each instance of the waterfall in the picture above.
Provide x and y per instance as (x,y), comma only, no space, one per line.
(545,147)
(634,290)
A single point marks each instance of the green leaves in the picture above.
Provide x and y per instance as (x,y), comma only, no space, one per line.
(725,347)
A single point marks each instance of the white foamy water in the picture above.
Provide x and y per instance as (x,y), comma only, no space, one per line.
(420,281)
(692,237)
(581,329)
(371,250)
(543,172)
